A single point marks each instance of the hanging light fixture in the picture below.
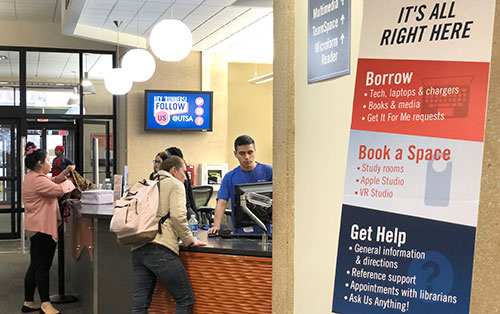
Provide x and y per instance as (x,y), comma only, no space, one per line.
(87,86)
(261,79)
(117,80)
(139,62)
(74,99)
(171,40)
(88,89)
(256,79)
(86,81)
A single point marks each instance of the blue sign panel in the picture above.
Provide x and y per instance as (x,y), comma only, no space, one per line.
(329,37)
(178,110)
(393,263)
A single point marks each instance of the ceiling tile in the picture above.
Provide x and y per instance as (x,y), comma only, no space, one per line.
(122,15)
(230,12)
(213,22)
(222,3)
(100,4)
(176,1)
(132,26)
(248,21)
(127,5)
(154,6)
(95,14)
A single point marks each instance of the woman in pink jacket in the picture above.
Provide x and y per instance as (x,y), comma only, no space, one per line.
(41,222)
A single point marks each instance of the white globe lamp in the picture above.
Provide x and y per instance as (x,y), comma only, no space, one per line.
(171,40)
(117,81)
(140,64)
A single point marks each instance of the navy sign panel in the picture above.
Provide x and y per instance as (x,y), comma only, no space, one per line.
(329,38)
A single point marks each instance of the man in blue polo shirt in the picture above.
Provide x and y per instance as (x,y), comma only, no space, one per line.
(249,171)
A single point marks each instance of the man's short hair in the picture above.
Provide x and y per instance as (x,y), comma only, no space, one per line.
(173,161)
(174,151)
(162,155)
(243,140)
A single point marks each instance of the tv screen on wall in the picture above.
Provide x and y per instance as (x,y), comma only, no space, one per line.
(178,110)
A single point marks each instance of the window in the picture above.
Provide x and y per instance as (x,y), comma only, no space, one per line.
(9,78)
(52,83)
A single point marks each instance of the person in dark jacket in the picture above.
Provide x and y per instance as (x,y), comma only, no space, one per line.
(60,162)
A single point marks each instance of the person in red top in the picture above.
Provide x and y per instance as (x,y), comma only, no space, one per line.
(42,219)
(60,162)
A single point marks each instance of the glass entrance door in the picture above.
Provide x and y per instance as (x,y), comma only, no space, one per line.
(10,211)
(101,130)
(49,135)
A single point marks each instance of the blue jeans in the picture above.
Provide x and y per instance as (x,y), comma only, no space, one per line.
(154,261)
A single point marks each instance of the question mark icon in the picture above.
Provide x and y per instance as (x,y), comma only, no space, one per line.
(435,272)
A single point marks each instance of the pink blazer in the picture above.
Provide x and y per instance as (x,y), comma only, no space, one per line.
(41,210)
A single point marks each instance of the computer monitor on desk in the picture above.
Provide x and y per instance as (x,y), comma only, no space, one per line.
(264,214)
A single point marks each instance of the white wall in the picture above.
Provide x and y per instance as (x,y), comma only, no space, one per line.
(323,118)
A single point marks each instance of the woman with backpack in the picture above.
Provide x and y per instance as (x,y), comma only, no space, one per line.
(190,203)
(159,258)
(41,222)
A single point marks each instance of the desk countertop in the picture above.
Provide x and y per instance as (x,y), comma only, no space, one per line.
(215,245)
(239,246)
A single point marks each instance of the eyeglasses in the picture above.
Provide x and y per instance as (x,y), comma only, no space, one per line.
(157,161)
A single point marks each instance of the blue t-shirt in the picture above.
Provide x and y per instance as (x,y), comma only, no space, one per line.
(261,173)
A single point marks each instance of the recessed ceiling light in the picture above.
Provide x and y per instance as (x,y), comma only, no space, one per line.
(3,57)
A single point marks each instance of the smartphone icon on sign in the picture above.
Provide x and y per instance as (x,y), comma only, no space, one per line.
(438,183)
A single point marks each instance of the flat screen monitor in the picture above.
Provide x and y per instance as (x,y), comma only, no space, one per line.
(178,110)
(241,219)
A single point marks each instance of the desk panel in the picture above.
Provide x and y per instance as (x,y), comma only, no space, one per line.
(223,284)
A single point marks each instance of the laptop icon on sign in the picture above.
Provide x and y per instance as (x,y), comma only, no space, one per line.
(448,95)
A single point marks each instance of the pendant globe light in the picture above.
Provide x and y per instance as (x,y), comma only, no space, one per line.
(171,40)
(117,80)
(139,62)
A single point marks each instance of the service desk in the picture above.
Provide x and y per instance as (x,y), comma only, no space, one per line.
(98,269)
(227,275)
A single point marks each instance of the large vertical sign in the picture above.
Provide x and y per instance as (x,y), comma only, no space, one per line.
(411,196)
(329,33)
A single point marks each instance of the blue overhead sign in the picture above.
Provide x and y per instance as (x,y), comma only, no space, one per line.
(329,37)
